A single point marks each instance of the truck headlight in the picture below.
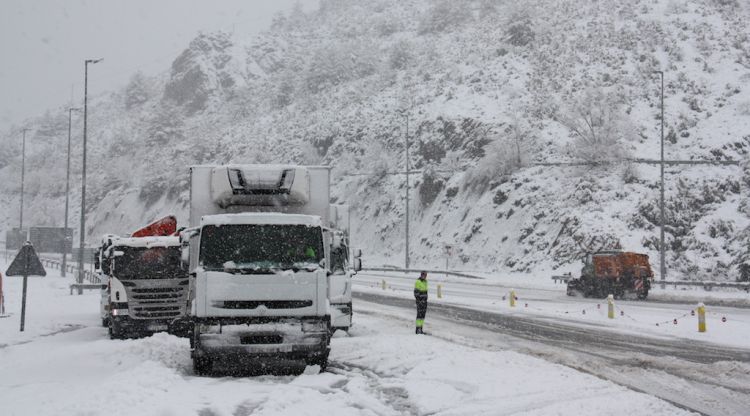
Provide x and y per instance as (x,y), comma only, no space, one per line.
(314,326)
(209,329)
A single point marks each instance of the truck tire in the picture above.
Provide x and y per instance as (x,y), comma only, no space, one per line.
(642,295)
(202,365)
(320,360)
(574,288)
(115,330)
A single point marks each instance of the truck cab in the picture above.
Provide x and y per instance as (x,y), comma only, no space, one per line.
(146,284)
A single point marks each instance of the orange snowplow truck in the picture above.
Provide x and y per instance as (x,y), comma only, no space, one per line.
(619,273)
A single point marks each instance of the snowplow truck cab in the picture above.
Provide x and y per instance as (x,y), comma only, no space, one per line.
(613,272)
(258,251)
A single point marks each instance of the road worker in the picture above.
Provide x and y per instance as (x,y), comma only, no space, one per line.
(420,294)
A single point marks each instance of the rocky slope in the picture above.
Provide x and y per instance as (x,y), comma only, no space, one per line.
(488,90)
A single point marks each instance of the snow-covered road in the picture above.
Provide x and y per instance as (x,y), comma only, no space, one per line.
(705,372)
(64,364)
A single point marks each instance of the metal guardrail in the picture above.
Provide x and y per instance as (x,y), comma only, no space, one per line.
(56,264)
(706,285)
(396,270)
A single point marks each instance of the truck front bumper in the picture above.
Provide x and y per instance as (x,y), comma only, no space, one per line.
(261,340)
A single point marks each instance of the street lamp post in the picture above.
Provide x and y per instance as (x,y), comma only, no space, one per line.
(662,261)
(23,172)
(67,198)
(406,214)
(662,258)
(83,174)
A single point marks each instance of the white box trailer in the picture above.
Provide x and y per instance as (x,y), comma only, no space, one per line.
(259,259)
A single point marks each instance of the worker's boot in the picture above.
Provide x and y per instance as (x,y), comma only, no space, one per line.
(418,330)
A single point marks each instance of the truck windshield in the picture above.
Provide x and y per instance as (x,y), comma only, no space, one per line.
(147,263)
(260,247)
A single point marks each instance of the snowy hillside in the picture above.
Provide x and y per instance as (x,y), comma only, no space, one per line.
(488,89)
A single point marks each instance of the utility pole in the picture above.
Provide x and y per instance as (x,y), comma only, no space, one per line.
(406,215)
(83,175)
(67,199)
(23,172)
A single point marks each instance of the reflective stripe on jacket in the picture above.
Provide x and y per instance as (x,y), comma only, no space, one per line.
(420,289)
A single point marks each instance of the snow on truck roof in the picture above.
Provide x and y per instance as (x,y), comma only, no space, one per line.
(262,167)
(146,241)
(261,218)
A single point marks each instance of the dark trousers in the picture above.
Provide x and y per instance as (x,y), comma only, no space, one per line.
(421,311)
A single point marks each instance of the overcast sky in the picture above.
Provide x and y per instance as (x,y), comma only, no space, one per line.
(43,43)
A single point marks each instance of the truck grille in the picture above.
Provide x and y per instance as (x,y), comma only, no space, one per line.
(269,304)
(149,302)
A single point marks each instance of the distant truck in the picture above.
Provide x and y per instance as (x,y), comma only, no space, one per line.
(259,252)
(618,273)
(146,288)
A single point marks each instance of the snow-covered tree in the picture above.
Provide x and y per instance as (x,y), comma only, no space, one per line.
(137,91)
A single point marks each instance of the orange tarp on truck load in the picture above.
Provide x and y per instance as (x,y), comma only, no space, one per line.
(160,228)
(613,265)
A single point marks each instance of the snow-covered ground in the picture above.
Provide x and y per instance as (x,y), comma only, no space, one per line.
(64,364)
(549,301)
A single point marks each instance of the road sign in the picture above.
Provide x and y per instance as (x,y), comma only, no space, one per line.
(25,264)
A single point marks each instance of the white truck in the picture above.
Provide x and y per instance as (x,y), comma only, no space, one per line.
(145,287)
(259,258)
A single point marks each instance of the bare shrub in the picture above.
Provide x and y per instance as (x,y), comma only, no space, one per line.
(400,55)
(500,159)
(520,34)
(445,15)
(599,125)
(630,173)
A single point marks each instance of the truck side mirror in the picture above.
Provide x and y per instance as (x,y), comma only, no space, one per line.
(357,253)
(357,264)
(337,240)
(185,256)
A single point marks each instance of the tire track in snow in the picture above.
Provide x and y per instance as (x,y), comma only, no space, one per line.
(66,328)
(394,397)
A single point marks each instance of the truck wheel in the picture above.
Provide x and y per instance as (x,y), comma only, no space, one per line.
(202,366)
(643,294)
(115,330)
(574,288)
(321,360)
